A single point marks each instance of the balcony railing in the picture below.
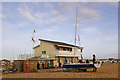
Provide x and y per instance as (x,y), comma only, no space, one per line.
(67,53)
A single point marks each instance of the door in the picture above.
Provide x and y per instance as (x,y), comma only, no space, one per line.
(51,63)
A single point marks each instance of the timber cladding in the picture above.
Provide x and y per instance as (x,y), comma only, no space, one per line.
(25,65)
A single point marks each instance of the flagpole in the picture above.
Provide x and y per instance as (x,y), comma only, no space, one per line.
(75,33)
(33,41)
(79,40)
(80,48)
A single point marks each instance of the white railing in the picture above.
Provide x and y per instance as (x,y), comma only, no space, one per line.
(67,53)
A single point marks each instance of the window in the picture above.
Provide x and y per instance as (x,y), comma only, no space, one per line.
(69,59)
(65,60)
(72,59)
(58,59)
(43,52)
(64,49)
(58,48)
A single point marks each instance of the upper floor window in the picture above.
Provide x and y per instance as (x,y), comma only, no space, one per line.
(58,48)
(70,49)
(64,49)
(43,52)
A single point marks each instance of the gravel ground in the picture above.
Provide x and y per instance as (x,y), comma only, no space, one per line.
(105,71)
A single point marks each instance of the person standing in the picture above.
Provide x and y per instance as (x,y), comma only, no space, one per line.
(87,61)
(38,65)
(94,61)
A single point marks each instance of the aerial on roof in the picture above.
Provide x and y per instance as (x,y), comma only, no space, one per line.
(58,43)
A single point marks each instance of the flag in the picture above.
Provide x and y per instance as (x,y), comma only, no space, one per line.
(78,38)
(33,40)
(81,57)
(34,31)
(33,36)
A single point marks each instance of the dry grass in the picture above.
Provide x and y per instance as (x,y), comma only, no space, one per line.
(105,71)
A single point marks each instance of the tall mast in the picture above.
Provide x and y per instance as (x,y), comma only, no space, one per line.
(75,33)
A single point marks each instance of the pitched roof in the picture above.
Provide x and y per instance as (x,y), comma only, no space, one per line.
(36,46)
(5,60)
(58,43)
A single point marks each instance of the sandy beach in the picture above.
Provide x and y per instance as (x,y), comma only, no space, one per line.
(109,70)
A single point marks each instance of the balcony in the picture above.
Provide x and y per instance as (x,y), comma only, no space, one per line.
(67,53)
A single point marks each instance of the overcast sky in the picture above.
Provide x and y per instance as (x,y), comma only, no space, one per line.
(98,26)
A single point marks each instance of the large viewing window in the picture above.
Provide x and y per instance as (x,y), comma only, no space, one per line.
(64,49)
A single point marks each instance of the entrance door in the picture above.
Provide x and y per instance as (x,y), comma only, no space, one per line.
(22,67)
(51,63)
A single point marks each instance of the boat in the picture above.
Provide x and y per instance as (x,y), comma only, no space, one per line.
(80,66)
